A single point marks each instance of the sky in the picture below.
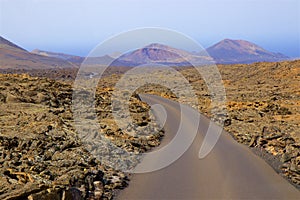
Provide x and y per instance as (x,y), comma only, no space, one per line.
(77,26)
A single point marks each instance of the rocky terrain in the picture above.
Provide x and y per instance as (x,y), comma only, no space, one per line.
(41,155)
(263,106)
(264,111)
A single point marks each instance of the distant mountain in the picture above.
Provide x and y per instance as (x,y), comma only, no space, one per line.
(225,52)
(78,59)
(101,60)
(160,54)
(15,57)
(63,56)
(240,51)
(153,53)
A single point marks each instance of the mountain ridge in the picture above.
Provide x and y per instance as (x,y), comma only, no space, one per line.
(14,57)
(230,51)
(161,54)
(63,56)
(227,51)
(6,43)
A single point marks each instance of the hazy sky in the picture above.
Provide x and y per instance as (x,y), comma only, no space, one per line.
(76,26)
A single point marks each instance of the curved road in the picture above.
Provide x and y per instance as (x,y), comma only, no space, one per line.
(229,171)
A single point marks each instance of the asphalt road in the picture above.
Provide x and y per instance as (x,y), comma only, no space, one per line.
(229,171)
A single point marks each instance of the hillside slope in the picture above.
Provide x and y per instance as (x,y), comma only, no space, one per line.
(240,51)
(15,57)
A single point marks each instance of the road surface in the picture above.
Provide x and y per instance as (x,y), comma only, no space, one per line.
(229,171)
